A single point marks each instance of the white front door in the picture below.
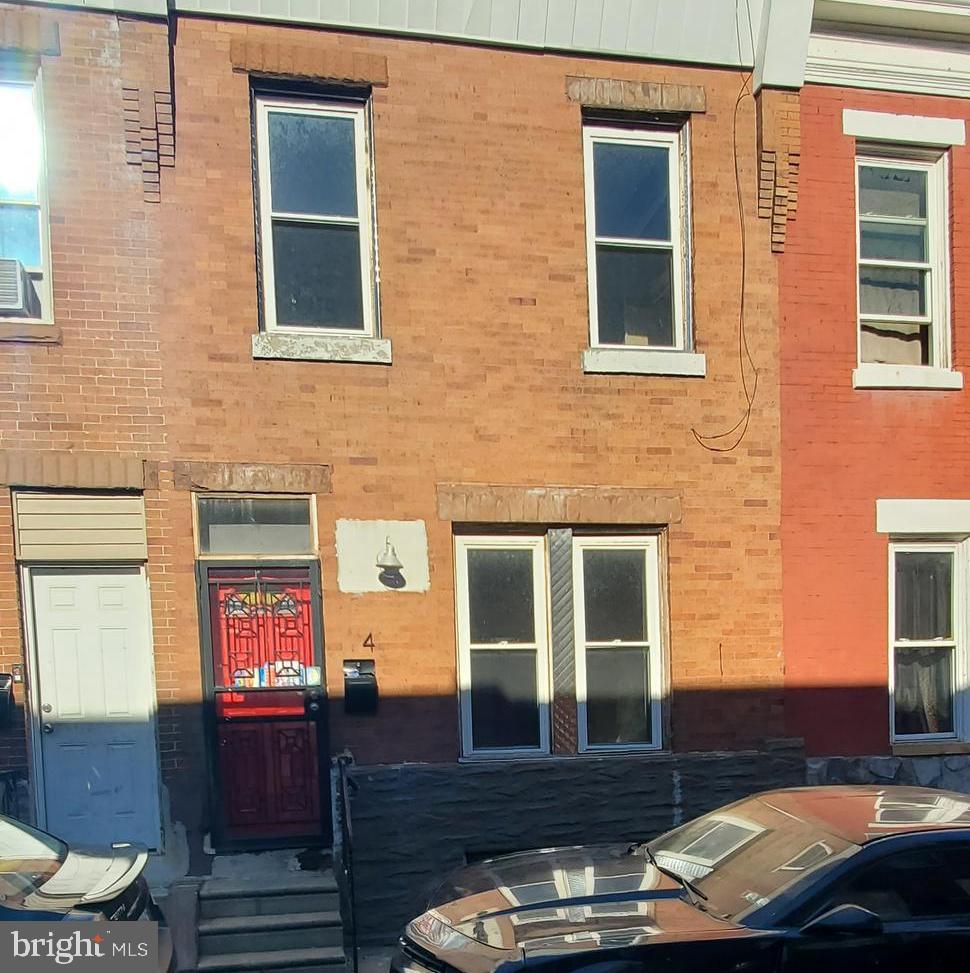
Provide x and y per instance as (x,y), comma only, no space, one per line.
(95,701)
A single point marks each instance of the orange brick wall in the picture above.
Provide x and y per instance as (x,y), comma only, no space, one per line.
(483,294)
(842,448)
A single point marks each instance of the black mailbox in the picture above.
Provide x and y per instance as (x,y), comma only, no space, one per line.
(360,686)
(6,698)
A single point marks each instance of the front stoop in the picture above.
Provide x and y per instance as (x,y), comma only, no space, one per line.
(279,925)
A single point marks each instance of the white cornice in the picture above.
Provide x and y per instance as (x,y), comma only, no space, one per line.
(889,63)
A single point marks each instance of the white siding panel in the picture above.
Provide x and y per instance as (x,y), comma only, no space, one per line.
(560,18)
(421,14)
(532,22)
(588,24)
(615,25)
(74,527)
(692,31)
(394,14)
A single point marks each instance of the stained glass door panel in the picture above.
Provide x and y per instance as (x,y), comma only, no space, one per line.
(264,657)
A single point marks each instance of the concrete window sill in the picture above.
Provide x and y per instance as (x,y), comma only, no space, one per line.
(905,377)
(930,748)
(643,361)
(29,332)
(303,346)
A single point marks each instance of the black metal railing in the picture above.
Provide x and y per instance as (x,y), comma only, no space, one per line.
(345,789)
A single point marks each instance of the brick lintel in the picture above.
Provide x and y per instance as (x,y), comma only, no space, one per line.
(652,96)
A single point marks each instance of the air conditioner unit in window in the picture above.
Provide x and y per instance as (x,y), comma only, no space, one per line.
(18,296)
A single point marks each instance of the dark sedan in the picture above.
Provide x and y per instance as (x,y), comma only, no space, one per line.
(863,878)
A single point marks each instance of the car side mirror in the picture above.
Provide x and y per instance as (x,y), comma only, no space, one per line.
(844,920)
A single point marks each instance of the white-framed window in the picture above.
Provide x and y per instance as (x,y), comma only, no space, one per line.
(504,616)
(316,216)
(619,664)
(637,219)
(503,644)
(25,257)
(902,245)
(928,649)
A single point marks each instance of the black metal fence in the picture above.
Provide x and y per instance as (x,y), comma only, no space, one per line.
(345,789)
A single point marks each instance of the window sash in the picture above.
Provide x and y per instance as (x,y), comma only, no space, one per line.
(45,290)
(364,220)
(537,545)
(957,645)
(652,646)
(677,193)
(935,268)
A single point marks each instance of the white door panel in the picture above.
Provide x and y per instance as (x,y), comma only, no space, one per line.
(96,704)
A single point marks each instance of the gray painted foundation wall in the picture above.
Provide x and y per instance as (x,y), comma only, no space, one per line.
(412,823)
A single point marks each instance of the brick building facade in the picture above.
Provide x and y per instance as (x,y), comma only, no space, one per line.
(448,451)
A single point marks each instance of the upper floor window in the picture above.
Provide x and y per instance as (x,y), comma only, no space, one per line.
(903,261)
(636,225)
(25,291)
(316,230)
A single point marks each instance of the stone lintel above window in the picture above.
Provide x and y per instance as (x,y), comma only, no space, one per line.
(646,96)
(308,61)
(487,503)
(252,477)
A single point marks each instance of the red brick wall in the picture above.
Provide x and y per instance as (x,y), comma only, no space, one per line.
(843,448)
(483,294)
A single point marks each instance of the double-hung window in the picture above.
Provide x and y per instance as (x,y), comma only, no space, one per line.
(503,644)
(609,587)
(928,641)
(617,622)
(316,217)
(25,291)
(903,281)
(637,234)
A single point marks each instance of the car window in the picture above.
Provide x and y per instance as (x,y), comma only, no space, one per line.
(921,883)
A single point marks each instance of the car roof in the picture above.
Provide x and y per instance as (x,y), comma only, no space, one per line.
(865,812)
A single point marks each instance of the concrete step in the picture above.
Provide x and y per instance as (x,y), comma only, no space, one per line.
(264,933)
(316,959)
(300,893)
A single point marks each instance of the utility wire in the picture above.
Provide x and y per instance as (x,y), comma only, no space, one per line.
(744,350)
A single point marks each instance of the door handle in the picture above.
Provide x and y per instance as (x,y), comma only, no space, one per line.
(48,727)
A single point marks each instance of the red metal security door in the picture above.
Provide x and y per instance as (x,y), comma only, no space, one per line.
(265,657)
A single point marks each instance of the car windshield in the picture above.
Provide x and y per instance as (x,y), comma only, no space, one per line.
(28,858)
(743,856)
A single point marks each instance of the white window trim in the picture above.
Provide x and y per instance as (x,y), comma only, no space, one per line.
(676,145)
(33,80)
(877,375)
(537,545)
(903,129)
(959,669)
(364,219)
(649,545)
(922,517)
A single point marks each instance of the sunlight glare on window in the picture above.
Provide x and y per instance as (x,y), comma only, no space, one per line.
(20,151)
